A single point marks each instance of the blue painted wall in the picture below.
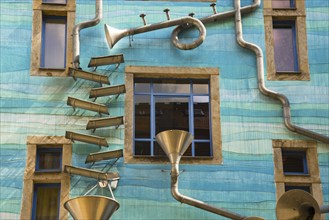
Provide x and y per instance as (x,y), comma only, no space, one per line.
(244,183)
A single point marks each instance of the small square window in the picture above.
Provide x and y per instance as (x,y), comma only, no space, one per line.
(48,159)
(294,162)
(54,1)
(301,187)
(46,201)
(283,4)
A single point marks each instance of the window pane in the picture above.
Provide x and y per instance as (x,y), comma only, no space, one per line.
(290,187)
(142,86)
(201,117)
(55,1)
(54,43)
(142,116)
(171,86)
(294,162)
(142,148)
(202,148)
(158,150)
(171,113)
(200,87)
(282,3)
(284,48)
(46,201)
(49,159)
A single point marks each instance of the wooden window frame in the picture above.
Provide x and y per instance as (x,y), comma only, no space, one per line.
(297,14)
(31,177)
(40,10)
(172,72)
(313,177)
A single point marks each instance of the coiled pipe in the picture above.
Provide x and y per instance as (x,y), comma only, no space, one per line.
(261,84)
(82,25)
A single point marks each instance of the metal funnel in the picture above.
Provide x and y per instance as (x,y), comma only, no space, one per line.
(91,207)
(174,143)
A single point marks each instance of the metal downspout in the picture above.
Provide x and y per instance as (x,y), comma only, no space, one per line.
(80,26)
(196,203)
(261,85)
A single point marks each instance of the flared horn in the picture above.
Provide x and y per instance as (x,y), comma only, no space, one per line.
(174,143)
(91,207)
(297,204)
(113,35)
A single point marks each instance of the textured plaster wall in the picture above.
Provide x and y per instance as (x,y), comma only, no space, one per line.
(244,183)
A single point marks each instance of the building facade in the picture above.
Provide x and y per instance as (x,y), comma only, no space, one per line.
(80,104)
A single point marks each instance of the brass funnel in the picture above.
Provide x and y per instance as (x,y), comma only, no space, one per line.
(174,143)
(91,207)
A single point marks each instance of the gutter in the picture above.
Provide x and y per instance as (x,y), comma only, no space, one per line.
(261,82)
(80,26)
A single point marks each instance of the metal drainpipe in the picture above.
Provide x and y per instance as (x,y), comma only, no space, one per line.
(261,85)
(80,26)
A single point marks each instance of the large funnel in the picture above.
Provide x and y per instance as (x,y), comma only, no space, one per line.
(91,207)
(174,143)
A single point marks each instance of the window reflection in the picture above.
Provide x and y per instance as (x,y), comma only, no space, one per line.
(171,86)
(282,3)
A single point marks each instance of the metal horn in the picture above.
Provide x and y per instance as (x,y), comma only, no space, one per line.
(113,35)
(297,204)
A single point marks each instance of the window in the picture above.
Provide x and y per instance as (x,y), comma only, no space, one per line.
(46,199)
(286,42)
(294,162)
(53,42)
(46,186)
(51,50)
(296,167)
(164,104)
(48,159)
(283,4)
(164,98)
(54,1)
(285,53)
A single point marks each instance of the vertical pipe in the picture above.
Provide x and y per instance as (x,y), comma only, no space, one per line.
(80,26)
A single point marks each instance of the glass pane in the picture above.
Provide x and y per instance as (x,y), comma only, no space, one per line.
(55,1)
(46,201)
(142,85)
(294,162)
(49,159)
(171,86)
(290,187)
(158,150)
(142,148)
(200,87)
(202,149)
(142,116)
(284,49)
(54,41)
(171,113)
(188,152)
(201,117)
(282,4)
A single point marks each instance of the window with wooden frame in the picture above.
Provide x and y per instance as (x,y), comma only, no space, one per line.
(286,42)
(53,22)
(296,167)
(164,98)
(46,185)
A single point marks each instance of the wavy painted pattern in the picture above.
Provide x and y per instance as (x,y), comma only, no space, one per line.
(244,183)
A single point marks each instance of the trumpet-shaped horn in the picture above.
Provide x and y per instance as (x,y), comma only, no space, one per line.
(297,204)
(113,35)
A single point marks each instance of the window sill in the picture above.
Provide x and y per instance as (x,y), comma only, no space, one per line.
(297,174)
(48,3)
(47,171)
(288,9)
(56,69)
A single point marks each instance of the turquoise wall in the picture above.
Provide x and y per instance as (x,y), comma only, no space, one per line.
(244,183)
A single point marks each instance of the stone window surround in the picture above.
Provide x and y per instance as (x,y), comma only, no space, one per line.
(40,9)
(172,72)
(299,15)
(312,179)
(31,177)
